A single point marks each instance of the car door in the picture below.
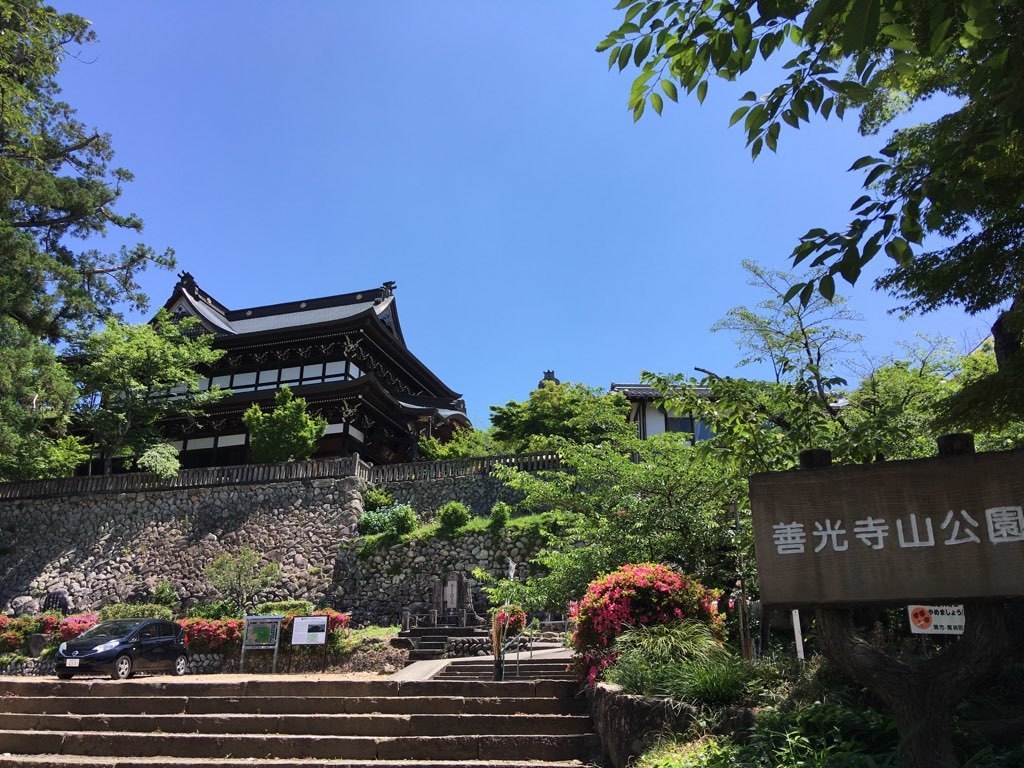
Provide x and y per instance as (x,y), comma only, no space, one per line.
(149,646)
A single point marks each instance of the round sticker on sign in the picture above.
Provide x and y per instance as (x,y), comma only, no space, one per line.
(921,617)
(936,619)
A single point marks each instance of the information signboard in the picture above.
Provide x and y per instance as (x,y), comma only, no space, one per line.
(261,632)
(309,630)
(925,531)
(936,619)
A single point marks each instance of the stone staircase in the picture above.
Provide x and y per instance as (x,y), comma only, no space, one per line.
(526,669)
(293,723)
(429,643)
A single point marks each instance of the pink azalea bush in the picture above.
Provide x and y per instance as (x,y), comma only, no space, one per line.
(209,634)
(72,626)
(633,596)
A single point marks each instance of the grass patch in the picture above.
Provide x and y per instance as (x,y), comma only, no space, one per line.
(542,525)
(351,640)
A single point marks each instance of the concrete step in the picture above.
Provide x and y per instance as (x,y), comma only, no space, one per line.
(262,687)
(130,744)
(70,761)
(305,725)
(446,631)
(297,705)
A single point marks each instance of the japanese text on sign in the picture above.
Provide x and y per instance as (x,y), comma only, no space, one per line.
(1004,525)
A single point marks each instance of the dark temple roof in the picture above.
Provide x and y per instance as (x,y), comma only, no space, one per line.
(189,298)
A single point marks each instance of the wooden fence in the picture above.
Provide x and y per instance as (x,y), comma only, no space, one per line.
(251,474)
(133,482)
(435,470)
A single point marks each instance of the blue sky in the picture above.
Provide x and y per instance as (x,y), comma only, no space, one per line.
(477,153)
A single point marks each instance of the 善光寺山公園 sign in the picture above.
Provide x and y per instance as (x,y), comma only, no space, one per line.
(309,630)
(936,619)
(924,531)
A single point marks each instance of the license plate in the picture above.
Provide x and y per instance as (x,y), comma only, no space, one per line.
(71,663)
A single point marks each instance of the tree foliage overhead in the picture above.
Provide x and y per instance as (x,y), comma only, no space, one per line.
(959,177)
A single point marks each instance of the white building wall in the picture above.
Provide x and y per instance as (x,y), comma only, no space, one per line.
(655,420)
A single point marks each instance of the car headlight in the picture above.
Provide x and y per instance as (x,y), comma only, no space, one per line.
(63,647)
(108,646)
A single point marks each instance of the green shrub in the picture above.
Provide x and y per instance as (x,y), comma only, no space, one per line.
(682,661)
(240,578)
(219,609)
(500,513)
(452,515)
(283,607)
(135,611)
(398,519)
(375,498)
(165,594)
(162,460)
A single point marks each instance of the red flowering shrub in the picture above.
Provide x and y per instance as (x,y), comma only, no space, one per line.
(49,622)
(335,620)
(512,619)
(10,641)
(632,596)
(209,634)
(72,626)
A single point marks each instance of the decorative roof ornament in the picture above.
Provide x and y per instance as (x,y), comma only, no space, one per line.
(389,288)
(548,376)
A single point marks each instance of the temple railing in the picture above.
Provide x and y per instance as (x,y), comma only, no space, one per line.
(254,474)
(134,482)
(436,470)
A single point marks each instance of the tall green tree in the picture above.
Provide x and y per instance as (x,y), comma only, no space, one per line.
(959,177)
(36,395)
(132,376)
(58,191)
(629,501)
(58,188)
(286,433)
(559,412)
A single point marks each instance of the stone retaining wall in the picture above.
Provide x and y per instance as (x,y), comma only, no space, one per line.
(378,587)
(101,548)
(107,548)
(478,492)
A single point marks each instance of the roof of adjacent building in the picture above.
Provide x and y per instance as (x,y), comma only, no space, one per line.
(189,298)
(645,391)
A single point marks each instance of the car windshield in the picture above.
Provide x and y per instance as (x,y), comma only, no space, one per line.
(111,629)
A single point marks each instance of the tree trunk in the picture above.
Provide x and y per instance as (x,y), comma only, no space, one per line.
(922,696)
(108,465)
(1006,332)
(926,733)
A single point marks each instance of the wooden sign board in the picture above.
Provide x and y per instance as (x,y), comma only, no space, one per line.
(924,531)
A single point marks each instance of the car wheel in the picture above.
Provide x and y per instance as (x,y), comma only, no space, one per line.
(122,668)
(180,665)
(65,675)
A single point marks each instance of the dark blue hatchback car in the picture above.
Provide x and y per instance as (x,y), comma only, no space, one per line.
(122,647)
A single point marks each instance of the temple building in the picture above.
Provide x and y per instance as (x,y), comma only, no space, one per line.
(344,354)
(652,419)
